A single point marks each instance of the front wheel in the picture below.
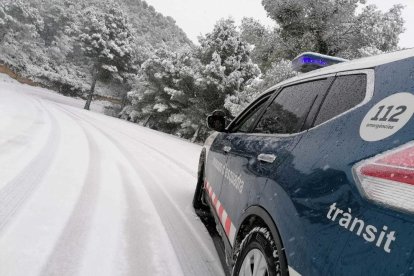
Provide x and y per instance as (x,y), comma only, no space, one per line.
(260,255)
(198,194)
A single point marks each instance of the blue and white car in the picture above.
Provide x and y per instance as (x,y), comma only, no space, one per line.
(316,176)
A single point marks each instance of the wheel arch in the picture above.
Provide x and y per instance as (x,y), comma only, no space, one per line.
(257,216)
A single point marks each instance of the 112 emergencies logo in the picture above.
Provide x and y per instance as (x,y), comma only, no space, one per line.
(387,117)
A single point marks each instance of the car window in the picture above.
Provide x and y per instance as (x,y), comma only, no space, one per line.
(247,122)
(287,113)
(345,93)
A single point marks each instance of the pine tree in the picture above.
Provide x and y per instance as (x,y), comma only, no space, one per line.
(266,41)
(179,90)
(40,39)
(107,42)
(162,92)
(333,27)
(20,25)
(19,21)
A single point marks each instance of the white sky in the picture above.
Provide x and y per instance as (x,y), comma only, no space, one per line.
(197,17)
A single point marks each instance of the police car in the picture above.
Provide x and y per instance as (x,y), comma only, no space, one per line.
(316,176)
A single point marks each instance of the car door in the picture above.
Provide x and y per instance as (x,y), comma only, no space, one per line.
(216,160)
(220,147)
(253,155)
(217,156)
(311,178)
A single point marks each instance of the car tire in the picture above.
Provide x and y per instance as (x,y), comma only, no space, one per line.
(198,194)
(260,253)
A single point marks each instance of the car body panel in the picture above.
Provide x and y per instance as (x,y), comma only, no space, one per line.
(218,158)
(243,161)
(314,171)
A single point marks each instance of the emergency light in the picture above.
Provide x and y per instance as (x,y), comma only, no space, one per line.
(310,61)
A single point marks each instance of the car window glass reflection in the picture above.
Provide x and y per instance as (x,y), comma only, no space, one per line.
(245,125)
(288,111)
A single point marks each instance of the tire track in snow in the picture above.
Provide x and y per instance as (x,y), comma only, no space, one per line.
(177,162)
(135,238)
(179,228)
(136,218)
(18,190)
(66,256)
(22,139)
(24,135)
(133,229)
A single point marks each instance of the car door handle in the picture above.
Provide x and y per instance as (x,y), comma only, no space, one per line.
(226,149)
(268,158)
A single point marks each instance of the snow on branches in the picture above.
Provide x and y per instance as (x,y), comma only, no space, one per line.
(188,85)
(161,79)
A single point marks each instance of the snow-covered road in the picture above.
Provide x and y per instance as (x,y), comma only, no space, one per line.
(86,194)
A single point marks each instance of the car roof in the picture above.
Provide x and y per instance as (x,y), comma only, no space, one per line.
(362,63)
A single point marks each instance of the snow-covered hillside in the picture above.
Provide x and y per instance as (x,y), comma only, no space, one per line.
(86,194)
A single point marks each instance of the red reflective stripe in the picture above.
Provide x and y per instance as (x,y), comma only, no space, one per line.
(390,173)
(220,211)
(215,201)
(227,226)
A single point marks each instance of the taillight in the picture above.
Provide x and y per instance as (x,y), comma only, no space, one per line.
(388,178)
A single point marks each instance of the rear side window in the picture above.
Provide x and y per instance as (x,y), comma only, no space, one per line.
(345,93)
(287,113)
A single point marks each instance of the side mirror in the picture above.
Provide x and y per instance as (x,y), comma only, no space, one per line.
(217,121)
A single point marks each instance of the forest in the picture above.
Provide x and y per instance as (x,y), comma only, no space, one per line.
(153,75)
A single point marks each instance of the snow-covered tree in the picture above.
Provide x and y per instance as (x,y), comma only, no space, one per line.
(107,41)
(373,32)
(227,69)
(19,35)
(227,58)
(266,41)
(333,27)
(278,72)
(179,89)
(162,93)
(19,21)
(41,40)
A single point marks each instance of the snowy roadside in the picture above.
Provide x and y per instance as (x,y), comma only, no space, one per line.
(86,194)
(97,106)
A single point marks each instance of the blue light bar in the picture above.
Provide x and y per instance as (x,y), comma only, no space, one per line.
(311,61)
(308,60)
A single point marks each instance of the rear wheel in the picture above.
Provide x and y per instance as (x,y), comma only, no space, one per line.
(259,254)
(254,263)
